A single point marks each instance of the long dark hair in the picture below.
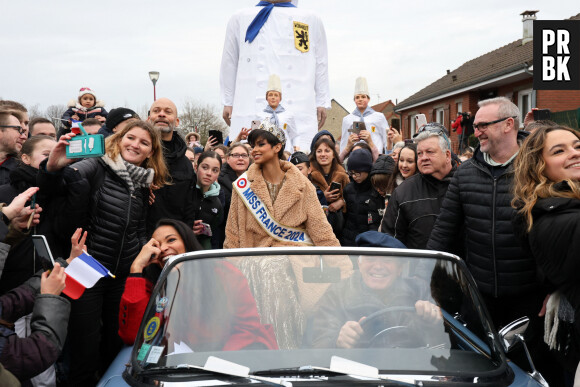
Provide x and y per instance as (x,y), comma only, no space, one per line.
(392,184)
(185,232)
(153,270)
(335,164)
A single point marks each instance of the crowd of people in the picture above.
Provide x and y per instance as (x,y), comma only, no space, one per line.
(510,211)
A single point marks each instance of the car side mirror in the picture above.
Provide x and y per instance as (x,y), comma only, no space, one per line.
(513,333)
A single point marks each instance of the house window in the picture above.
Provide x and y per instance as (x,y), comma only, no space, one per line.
(440,116)
(459,107)
(524,103)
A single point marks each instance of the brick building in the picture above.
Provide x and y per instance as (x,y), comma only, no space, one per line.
(506,71)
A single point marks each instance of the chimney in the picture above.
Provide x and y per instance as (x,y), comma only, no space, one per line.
(448,72)
(528,18)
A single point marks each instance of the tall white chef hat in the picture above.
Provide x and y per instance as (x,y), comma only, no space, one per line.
(361,86)
(274,84)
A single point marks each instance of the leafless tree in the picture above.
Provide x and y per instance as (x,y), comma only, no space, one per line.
(54,112)
(203,116)
(34,111)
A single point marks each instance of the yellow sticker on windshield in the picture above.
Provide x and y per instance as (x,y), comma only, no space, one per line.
(151,328)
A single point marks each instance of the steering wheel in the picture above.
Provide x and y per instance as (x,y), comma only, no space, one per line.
(378,332)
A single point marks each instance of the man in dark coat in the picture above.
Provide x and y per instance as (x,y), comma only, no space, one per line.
(475,223)
(12,135)
(174,201)
(415,204)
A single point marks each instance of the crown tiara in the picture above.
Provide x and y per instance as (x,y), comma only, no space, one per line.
(271,127)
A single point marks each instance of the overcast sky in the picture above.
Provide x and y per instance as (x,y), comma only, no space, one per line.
(52,48)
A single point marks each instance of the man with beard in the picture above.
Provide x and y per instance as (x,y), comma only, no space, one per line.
(12,136)
(174,201)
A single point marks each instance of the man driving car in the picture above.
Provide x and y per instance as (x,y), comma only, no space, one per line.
(379,286)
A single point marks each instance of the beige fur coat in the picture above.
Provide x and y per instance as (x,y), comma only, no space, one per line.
(296,206)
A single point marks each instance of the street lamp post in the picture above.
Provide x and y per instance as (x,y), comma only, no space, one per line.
(154,76)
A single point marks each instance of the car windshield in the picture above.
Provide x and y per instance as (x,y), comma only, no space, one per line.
(401,311)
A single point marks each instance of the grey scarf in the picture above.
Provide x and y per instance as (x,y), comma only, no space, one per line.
(135,177)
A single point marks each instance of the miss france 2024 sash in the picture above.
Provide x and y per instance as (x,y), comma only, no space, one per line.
(264,218)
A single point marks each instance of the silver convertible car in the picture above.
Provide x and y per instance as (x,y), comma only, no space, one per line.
(320,316)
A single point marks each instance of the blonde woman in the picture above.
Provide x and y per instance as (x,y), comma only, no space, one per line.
(547,196)
(107,196)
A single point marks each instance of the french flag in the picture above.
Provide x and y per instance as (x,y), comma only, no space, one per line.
(83,272)
(75,126)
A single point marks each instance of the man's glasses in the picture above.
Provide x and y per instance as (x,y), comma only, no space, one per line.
(354,174)
(19,128)
(239,155)
(483,125)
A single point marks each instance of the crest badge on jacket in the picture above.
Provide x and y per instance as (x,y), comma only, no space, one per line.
(301,41)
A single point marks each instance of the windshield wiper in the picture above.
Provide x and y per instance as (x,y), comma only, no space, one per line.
(217,366)
(343,367)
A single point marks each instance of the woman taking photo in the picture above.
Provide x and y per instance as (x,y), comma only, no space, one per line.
(547,197)
(208,208)
(107,196)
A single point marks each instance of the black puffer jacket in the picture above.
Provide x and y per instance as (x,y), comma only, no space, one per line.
(413,209)
(99,201)
(555,243)
(478,203)
(174,201)
(364,210)
(209,209)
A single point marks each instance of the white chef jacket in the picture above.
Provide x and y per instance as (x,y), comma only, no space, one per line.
(246,67)
(375,123)
(287,123)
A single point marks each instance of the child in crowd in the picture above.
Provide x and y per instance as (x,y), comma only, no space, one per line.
(381,173)
(363,202)
(208,206)
(85,106)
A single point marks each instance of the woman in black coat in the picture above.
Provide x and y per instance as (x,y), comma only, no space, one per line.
(107,196)
(21,263)
(237,162)
(547,196)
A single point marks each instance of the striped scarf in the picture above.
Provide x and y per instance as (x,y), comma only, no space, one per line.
(135,177)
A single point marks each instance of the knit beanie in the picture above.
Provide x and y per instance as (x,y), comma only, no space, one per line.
(86,90)
(384,165)
(360,160)
(118,115)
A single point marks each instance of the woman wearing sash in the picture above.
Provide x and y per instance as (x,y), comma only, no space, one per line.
(273,204)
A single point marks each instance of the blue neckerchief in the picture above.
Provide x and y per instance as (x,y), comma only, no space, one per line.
(274,113)
(367,111)
(261,18)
